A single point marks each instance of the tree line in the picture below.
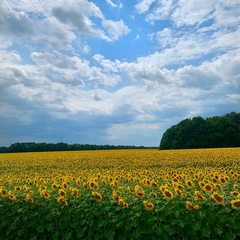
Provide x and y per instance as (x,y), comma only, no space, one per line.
(213,132)
(45,147)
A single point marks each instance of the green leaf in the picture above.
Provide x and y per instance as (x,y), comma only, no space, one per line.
(218,231)
(196,225)
(40,228)
(80,233)
(206,231)
(49,226)
(66,217)
(159,230)
(230,236)
(109,234)
(102,222)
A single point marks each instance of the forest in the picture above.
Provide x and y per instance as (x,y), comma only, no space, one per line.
(47,147)
(212,132)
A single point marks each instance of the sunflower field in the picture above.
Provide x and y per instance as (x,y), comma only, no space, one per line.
(121,194)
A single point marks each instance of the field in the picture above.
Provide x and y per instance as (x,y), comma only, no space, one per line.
(121,194)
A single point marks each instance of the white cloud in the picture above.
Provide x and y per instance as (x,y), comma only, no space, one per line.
(112,4)
(143,5)
(115,29)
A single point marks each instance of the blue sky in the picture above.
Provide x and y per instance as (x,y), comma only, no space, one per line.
(114,72)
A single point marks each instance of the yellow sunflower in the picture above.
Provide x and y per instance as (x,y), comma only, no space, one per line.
(148,205)
(199,196)
(98,196)
(235,204)
(168,194)
(217,198)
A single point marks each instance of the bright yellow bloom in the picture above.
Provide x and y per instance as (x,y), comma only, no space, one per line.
(199,196)
(153,194)
(75,192)
(217,198)
(62,200)
(168,194)
(148,205)
(235,204)
(64,185)
(178,192)
(92,185)
(122,203)
(208,188)
(45,194)
(61,192)
(191,207)
(98,196)
(189,183)
(29,199)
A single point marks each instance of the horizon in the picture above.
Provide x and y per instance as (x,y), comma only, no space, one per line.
(114,72)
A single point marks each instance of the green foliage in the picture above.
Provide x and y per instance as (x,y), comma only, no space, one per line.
(212,132)
(92,220)
(45,147)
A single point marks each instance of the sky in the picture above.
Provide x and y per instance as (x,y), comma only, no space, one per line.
(115,72)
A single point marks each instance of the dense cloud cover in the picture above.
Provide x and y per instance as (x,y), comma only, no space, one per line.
(114,72)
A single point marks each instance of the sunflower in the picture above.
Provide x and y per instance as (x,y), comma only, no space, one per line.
(178,192)
(148,205)
(208,187)
(62,200)
(17,189)
(12,196)
(201,184)
(75,192)
(234,193)
(189,183)
(78,181)
(29,199)
(65,185)
(98,196)
(115,195)
(140,193)
(199,196)
(168,194)
(190,206)
(217,198)
(154,184)
(3,192)
(222,180)
(54,185)
(104,182)
(235,204)
(61,192)
(153,194)
(122,203)
(45,194)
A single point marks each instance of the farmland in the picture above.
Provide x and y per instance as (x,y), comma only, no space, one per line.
(121,194)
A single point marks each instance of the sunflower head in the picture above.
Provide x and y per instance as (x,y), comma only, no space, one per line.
(208,187)
(148,205)
(61,192)
(235,204)
(217,198)
(199,196)
(168,194)
(98,196)
(62,200)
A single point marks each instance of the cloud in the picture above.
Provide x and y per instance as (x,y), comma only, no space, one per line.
(110,3)
(115,29)
(13,23)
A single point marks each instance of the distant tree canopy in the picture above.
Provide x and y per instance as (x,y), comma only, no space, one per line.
(44,147)
(214,132)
